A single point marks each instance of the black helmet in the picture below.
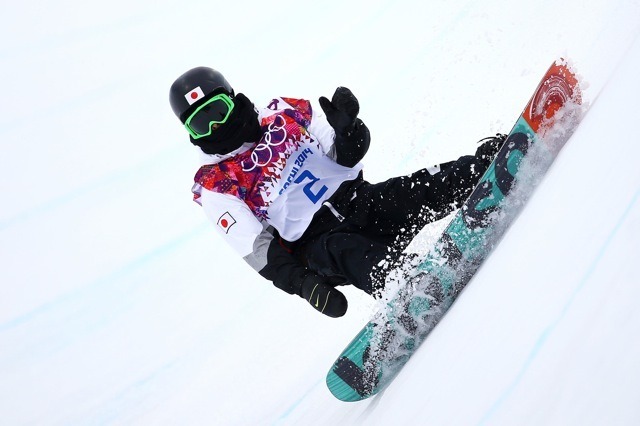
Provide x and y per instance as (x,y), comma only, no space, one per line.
(195,86)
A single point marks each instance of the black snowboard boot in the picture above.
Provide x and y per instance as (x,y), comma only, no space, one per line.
(489,147)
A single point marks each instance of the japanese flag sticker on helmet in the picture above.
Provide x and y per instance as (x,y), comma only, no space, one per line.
(194,95)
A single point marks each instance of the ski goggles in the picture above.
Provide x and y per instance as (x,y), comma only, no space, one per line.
(202,122)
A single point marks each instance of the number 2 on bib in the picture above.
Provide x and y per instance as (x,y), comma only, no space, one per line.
(309,187)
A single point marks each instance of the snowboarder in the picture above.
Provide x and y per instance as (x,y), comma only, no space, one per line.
(284,186)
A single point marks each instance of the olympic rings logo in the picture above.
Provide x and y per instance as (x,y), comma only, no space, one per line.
(262,154)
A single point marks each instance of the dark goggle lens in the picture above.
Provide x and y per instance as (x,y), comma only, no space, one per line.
(215,112)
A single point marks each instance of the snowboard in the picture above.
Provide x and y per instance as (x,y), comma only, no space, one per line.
(430,285)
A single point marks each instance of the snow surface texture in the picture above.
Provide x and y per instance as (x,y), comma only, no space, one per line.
(119,304)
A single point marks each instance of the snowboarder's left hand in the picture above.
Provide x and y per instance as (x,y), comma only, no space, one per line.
(352,136)
(341,111)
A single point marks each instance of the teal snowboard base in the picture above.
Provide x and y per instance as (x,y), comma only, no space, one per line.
(377,354)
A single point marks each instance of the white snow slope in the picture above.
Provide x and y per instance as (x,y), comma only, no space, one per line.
(120,305)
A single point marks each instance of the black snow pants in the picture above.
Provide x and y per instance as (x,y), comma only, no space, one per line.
(365,226)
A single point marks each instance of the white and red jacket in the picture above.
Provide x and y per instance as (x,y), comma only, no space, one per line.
(280,181)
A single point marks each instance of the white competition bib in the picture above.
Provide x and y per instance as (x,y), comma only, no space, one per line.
(308,179)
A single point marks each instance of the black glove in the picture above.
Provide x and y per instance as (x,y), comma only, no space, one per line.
(323,296)
(341,111)
(352,136)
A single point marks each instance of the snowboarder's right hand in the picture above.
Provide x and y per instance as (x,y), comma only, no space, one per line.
(323,296)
